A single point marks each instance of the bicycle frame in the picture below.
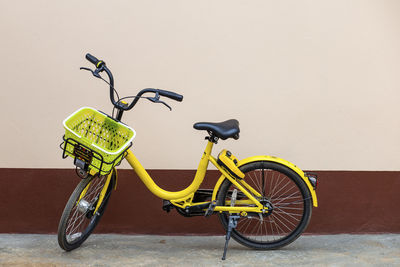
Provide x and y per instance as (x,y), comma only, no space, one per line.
(184,197)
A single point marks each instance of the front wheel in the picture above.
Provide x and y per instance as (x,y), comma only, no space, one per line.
(78,219)
(286,196)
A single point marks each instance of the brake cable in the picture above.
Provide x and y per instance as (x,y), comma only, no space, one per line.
(155,99)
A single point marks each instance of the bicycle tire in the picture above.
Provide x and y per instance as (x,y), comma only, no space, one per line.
(68,239)
(291,211)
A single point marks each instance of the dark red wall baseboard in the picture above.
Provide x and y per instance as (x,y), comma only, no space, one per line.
(32,200)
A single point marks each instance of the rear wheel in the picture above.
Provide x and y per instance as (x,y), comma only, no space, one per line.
(78,221)
(287,198)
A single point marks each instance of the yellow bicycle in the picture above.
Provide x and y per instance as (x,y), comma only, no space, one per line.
(263,202)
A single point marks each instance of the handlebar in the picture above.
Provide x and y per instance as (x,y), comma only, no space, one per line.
(94,60)
(165,93)
(171,95)
(101,66)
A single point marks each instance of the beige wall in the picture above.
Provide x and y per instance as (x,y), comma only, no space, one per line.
(314,82)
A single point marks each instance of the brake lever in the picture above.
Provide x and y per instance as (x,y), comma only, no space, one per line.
(156,99)
(94,72)
(162,102)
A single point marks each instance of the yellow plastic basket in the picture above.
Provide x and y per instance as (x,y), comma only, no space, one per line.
(96,139)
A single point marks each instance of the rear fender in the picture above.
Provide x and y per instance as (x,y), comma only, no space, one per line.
(277,160)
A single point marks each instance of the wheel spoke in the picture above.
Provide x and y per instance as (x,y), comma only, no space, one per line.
(263,182)
(254,183)
(276,185)
(270,184)
(278,228)
(280,189)
(283,218)
(292,196)
(243,223)
(281,223)
(286,207)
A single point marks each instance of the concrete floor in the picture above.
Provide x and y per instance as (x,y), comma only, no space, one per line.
(131,250)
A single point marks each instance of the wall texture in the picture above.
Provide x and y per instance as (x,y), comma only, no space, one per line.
(314,82)
(349,202)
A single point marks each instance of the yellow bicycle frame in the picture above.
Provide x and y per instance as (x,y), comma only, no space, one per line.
(184,197)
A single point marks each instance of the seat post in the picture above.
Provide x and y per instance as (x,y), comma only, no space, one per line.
(212,137)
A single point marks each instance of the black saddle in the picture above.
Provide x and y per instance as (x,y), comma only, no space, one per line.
(223,130)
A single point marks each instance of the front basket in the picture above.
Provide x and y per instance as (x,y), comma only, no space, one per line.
(95,140)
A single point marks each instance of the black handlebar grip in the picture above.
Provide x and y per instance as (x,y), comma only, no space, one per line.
(92,59)
(171,95)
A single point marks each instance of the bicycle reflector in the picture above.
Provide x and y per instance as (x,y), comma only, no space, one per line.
(313,179)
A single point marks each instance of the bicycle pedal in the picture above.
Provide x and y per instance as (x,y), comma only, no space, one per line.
(167,205)
(210,209)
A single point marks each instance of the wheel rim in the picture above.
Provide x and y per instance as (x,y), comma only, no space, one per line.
(288,207)
(80,219)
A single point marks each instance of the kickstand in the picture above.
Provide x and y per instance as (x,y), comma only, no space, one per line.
(231,225)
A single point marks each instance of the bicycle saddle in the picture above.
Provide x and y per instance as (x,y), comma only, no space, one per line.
(223,130)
